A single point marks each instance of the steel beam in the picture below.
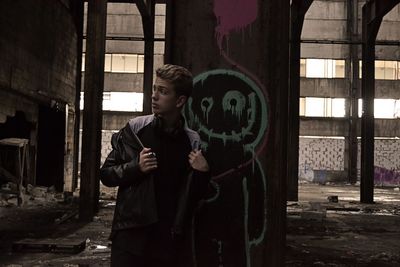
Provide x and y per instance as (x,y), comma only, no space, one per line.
(298,9)
(147,11)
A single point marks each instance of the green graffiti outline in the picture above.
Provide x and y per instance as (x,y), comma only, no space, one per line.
(245,131)
(247,147)
(239,98)
(260,238)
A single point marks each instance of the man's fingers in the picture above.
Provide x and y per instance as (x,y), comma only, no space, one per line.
(151,159)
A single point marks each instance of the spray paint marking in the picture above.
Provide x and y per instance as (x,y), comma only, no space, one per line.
(252,110)
(233,15)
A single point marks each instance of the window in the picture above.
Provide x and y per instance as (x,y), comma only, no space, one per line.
(322,68)
(336,107)
(303,67)
(120,101)
(107,63)
(322,107)
(83,61)
(123,63)
(383,108)
(141,63)
(385,70)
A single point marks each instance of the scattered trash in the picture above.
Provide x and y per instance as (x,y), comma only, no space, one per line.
(315,206)
(66,217)
(112,204)
(333,199)
(313,215)
(343,209)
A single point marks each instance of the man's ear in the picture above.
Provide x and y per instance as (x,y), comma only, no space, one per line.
(180,102)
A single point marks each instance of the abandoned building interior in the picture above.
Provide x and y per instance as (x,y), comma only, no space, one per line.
(297,103)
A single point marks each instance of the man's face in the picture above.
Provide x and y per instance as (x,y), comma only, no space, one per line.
(164,99)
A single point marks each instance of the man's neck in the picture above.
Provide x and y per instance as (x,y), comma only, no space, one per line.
(170,121)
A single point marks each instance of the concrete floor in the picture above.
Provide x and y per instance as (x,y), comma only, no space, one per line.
(346,233)
(320,233)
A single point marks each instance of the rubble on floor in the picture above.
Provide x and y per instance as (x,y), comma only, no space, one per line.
(33,195)
(50,234)
(343,233)
(321,230)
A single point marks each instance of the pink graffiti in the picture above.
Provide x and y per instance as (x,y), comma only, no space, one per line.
(233,15)
(237,15)
(384,176)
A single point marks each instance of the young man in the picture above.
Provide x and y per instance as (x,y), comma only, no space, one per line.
(160,177)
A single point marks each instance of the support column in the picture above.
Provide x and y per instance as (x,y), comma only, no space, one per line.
(169,31)
(298,10)
(373,12)
(78,12)
(92,113)
(352,74)
(367,120)
(147,11)
(275,57)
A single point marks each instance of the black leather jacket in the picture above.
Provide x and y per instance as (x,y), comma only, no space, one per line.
(136,203)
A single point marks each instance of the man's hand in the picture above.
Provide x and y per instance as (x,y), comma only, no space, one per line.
(147,160)
(197,161)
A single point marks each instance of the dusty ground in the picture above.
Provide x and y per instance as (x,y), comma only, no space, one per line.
(346,233)
(43,223)
(320,233)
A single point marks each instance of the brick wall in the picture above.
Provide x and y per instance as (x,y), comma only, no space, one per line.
(106,144)
(327,154)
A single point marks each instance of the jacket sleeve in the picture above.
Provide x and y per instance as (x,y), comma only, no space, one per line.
(200,182)
(115,172)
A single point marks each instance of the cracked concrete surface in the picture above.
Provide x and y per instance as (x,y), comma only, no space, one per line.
(319,232)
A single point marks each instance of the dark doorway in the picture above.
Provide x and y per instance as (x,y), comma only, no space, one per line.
(50,154)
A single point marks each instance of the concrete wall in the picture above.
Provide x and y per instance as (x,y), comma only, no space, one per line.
(38,56)
(317,126)
(322,160)
(326,20)
(38,52)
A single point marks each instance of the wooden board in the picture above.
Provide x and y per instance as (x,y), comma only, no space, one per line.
(49,245)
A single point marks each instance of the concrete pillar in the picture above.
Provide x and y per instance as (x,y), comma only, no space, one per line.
(298,10)
(373,12)
(92,113)
(276,64)
(352,75)
(147,11)
(239,55)
(77,8)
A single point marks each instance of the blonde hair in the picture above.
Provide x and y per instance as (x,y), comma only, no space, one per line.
(180,77)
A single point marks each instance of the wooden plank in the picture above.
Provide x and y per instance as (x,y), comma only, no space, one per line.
(14,142)
(49,245)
